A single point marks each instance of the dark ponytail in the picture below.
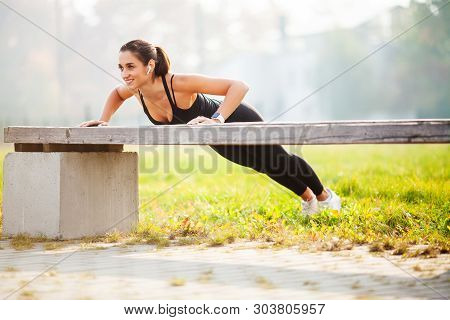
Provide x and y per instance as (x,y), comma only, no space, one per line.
(163,64)
(145,51)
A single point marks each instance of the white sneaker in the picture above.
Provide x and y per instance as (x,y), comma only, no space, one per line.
(310,207)
(333,202)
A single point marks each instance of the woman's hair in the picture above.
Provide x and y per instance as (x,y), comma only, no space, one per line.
(145,51)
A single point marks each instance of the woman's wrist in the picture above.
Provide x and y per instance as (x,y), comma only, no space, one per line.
(218,117)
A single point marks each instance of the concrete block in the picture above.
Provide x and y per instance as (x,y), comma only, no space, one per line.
(69,195)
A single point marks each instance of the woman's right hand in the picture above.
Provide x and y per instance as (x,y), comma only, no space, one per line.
(94,123)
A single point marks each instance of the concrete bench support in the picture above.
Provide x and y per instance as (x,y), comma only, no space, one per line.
(69,194)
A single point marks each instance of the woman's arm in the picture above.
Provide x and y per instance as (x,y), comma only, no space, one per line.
(115,99)
(233,90)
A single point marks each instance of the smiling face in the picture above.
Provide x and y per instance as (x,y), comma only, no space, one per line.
(133,71)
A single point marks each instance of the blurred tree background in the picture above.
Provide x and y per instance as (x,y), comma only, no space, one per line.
(409,78)
(265,43)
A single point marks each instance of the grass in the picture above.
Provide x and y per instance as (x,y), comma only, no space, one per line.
(21,242)
(393,196)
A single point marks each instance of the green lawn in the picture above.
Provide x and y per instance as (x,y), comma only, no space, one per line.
(393,195)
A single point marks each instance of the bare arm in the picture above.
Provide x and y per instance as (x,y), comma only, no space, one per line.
(233,90)
(115,99)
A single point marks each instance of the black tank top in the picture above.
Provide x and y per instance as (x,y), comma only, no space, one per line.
(202,106)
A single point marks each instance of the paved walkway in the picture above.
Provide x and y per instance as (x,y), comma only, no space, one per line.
(237,271)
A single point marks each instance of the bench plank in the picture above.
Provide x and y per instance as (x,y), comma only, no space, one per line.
(243,133)
(57,147)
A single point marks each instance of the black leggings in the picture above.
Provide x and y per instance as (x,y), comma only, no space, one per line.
(284,167)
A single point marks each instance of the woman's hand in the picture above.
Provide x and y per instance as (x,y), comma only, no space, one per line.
(94,123)
(202,120)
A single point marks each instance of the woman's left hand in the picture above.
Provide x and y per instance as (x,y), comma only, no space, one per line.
(203,120)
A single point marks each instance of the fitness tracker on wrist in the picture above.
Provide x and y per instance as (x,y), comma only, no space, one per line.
(218,116)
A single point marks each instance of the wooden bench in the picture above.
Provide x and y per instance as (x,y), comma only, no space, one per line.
(70,182)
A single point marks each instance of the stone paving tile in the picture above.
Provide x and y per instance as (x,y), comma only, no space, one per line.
(237,271)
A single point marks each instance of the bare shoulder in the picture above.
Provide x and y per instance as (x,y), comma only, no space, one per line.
(125,92)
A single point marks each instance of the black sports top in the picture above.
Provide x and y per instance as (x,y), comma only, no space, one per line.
(202,106)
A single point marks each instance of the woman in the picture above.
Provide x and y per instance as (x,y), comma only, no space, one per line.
(145,70)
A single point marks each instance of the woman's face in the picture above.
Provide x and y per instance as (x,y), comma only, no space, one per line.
(133,71)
